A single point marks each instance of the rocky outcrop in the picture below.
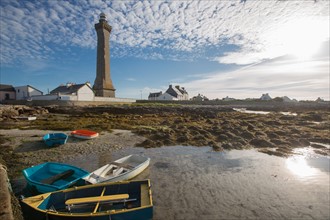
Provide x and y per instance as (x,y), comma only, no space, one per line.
(12,111)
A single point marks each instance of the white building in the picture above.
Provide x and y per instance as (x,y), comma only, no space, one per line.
(167,97)
(74,92)
(69,92)
(179,93)
(26,92)
(172,93)
(199,98)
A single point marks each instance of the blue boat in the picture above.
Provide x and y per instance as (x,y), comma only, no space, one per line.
(54,139)
(129,200)
(49,177)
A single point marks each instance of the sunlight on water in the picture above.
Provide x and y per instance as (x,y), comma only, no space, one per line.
(306,164)
(244,110)
(289,113)
(299,167)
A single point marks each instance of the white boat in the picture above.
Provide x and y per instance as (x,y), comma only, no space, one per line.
(119,170)
(28,118)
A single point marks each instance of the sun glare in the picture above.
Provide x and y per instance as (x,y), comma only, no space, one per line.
(299,166)
(301,38)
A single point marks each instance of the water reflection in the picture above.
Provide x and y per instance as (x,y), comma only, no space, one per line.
(289,113)
(299,166)
(307,164)
(244,110)
(198,183)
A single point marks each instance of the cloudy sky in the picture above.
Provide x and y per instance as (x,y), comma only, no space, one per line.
(219,48)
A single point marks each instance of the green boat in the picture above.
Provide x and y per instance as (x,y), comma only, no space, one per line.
(129,200)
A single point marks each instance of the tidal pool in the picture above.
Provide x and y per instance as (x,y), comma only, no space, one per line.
(198,183)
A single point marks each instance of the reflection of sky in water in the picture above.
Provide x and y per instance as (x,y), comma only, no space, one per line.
(250,111)
(244,110)
(289,113)
(300,167)
(198,183)
(306,164)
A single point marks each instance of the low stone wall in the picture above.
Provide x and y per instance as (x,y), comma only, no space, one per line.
(98,101)
(5,197)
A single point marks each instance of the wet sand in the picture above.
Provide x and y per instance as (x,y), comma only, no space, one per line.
(198,183)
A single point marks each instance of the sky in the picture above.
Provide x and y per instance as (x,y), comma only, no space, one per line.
(218,48)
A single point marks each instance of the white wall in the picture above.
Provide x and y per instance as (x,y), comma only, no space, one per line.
(110,99)
(33,92)
(55,97)
(165,96)
(45,97)
(21,92)
(24,92)
(85,94)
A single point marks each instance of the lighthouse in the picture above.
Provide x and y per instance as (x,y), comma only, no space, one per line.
(103,84)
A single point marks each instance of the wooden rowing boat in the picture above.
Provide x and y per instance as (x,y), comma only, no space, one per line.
(85,134)
(48,177)
(122,169)
(116,201)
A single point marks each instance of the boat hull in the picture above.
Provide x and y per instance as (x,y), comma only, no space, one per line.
(36,176)
(140,190)
(54,139)
(32,214)
(129,174)
(84,134)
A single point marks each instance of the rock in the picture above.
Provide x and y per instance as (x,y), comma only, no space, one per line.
(261,143)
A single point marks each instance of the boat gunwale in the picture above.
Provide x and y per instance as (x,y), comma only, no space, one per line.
(27,177)
(102,213)
(50,141)
(112,179)
(85,133)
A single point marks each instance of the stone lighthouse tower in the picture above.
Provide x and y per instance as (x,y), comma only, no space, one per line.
(103,83)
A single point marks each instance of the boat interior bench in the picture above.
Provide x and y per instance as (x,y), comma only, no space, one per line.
(57,177)
(124,165)
(96,199)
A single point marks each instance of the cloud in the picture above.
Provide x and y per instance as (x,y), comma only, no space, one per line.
(278,77)
(131,79)
(156,29)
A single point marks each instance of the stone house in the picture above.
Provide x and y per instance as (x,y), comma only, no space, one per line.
(265,97)
(172,93)
(26,92)
(179,93)
(199,98)
(7,92)
(155,95)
